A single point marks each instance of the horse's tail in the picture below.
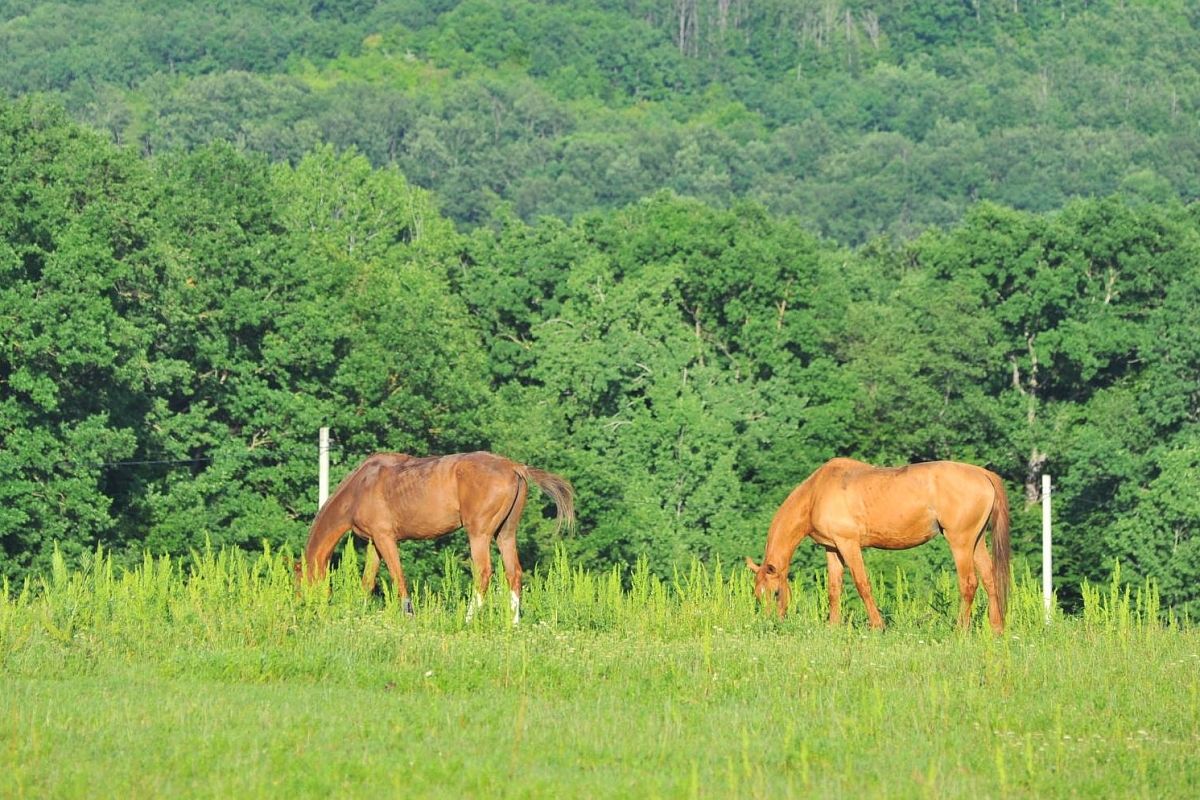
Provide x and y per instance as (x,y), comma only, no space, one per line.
(1001,547)
(560,491)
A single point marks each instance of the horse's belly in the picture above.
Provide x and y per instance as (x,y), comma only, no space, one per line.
(890,526)
(901,534)
(407,520)
(425,524)
(897,540)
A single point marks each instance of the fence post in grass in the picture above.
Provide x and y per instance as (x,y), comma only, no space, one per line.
(323,468)
(1047,583)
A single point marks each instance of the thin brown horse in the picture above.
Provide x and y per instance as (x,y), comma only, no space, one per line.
(847,505)
(390,497)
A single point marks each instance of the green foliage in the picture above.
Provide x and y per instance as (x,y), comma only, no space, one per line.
(203,313)
(181,311)
(860,118)
(666,351)
(77,325)
(1161,537)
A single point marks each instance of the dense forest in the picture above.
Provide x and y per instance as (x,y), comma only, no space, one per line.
(681,252)
(857,117)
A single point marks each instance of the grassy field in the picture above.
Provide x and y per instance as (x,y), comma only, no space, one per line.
(213,678)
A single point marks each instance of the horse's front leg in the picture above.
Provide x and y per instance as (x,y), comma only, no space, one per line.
(836,569)
(386,546)
(371,568)
(851,554)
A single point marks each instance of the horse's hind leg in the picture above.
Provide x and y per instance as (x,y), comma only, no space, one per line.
(963,533)
(386,546)
(983,562)
(506,540)
(963,564)
(481,557)
(482,524)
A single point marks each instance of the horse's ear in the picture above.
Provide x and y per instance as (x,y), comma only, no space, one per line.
(751,565)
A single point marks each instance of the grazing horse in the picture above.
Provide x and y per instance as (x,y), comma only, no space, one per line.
(847,505)
(393,496)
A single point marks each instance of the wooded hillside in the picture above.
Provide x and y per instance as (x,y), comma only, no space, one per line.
(630,242)
(856,117)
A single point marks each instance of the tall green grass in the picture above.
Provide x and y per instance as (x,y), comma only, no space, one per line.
(234,596)
(216,675)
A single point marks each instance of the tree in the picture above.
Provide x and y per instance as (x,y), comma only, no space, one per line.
(1160,538)
(79,283)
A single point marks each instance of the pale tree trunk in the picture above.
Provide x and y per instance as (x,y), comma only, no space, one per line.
(1029,390)
(871,26)
(723,15)
(685,33)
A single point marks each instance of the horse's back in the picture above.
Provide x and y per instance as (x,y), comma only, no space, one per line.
(438,479)
(919,477)
(485,462)
(898,507)
(956,480)
(936,481)
(405,496)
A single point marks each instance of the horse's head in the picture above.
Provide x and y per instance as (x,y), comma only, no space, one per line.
(770,582)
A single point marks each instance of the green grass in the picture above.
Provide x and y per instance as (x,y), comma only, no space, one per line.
(216,678)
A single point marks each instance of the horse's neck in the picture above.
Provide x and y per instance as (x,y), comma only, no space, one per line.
(327,529)
(791,524)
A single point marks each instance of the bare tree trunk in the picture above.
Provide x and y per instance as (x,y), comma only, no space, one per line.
(685,38)
(723,15)
(871,26)
(1037,459)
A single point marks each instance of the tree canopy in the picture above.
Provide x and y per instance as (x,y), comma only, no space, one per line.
(857,117)
(681,252)
(196,316)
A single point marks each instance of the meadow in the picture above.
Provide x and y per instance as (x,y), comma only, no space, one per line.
(211,676)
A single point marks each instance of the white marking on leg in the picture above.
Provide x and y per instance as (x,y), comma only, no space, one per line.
(514,602)
(475,604)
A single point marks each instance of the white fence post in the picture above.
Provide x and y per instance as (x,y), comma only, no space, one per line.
(1047,583)
(323,468)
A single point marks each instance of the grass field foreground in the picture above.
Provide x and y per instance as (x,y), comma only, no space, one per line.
(215,677)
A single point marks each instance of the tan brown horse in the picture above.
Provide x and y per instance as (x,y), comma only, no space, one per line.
(847,505)
(390,497)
